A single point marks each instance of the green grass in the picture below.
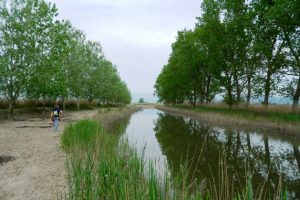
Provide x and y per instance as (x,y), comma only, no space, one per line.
(250,113)
(100,166)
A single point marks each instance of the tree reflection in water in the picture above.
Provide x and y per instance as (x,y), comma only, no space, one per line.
(200,145)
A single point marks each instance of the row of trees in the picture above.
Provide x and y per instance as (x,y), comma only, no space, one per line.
(239,50)
(44,58)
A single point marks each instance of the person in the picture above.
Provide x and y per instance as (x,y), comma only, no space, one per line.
(55,117)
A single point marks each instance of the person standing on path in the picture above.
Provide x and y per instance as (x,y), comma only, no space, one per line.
(55,117)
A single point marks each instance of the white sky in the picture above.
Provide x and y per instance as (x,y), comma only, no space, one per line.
(136,35)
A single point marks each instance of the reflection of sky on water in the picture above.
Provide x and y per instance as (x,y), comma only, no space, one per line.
(140,134)
(279,150)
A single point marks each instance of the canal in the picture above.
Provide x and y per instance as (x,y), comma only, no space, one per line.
(211,153)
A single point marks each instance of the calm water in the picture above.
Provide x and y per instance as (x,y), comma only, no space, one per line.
(168,140)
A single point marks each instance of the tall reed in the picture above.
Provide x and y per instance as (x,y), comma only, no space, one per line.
(278,113)
(100,166)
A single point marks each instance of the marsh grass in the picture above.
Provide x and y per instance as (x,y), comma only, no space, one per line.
(101,166)
(274,113)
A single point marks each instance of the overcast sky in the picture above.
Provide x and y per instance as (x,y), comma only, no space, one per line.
(136,35)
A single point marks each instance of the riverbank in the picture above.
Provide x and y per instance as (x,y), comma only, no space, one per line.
(237,118)
(32,163)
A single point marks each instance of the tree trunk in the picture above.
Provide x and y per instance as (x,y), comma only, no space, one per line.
(208,89)
(78,104)
(228,86)
(249,151)
(238,89)
(248,146)
(10,110)
(267,151)
(296,97)
(297,155)
(248,90)
(296,55)
(44,107)
(238,144)
(230,97)
(229,144)
(267,87)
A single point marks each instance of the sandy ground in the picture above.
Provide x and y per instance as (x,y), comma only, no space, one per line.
(32,165)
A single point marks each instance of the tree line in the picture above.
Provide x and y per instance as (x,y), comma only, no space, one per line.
(44,58)
(239,50)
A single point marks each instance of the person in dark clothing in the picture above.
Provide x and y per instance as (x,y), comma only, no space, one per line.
(55,117)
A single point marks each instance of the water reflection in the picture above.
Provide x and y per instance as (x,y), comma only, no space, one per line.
(117,127)
(140,135)
(172,139)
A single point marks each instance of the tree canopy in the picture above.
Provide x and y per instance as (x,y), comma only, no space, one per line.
(45,58)
(239,50)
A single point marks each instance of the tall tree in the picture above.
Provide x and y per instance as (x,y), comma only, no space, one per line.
(47,79)
(288,19)
(236,41)
(271,46)
(209,34)
(19,36)
(75,65)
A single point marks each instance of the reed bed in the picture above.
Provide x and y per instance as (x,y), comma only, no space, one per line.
(100,166)
(240,119)
(274,113)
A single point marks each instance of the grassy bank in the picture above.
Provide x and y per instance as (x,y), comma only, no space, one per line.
(277,119)
(101,167)
(273,113)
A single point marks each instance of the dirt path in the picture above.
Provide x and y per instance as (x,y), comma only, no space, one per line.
(32,165)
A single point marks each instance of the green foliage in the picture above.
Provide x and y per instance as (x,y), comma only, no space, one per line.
(20,37)
(90,76)
(44,58)
(141,100)
(239,50)
(48,78)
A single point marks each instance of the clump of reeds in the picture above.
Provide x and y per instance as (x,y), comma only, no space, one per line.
(100,166)
(276,113)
